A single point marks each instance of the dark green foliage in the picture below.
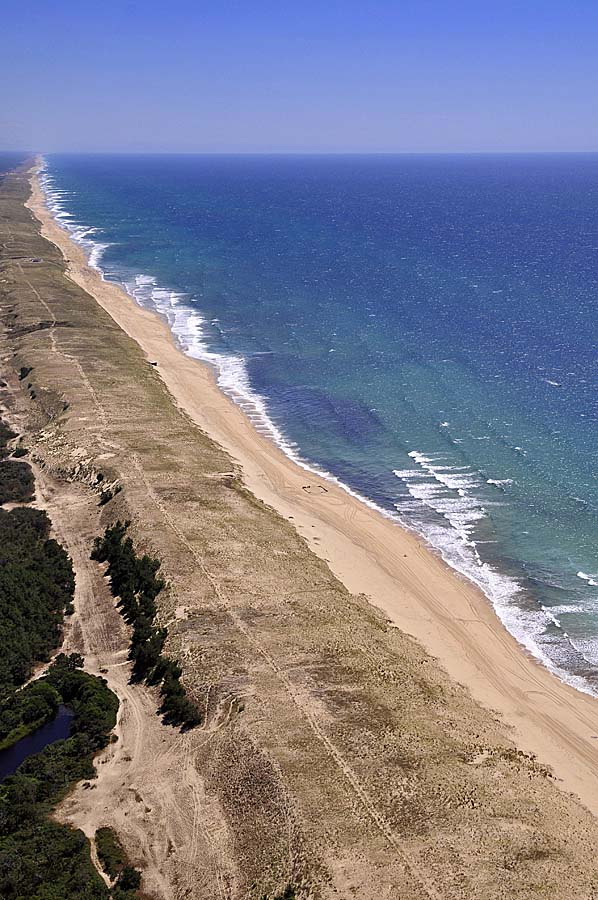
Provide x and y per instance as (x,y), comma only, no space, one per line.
(36,587)
(22,713)
(116,864)
(135,581)
(16,482)
(107,494)
(6,435)
(129,879)
(110,853)
(48,862)
(177,709)
(288,893)
(164,667)
(18,452)
(40,859)
(94,705)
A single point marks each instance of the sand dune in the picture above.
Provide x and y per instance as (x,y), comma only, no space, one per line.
(336,758)
(372,555)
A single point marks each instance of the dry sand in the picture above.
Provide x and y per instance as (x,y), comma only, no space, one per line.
(369,554)
(336,758)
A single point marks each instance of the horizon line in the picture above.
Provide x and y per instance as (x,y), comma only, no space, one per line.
(267,153)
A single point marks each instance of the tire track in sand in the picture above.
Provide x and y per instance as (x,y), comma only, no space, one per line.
(410,864)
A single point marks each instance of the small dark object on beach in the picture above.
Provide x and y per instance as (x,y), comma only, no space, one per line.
(153,363)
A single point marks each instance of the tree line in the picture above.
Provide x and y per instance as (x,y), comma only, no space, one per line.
(41,859)
(134,580)
(37,585)
(16,478)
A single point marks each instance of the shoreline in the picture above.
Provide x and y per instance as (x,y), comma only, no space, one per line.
(231,376)
(372,555)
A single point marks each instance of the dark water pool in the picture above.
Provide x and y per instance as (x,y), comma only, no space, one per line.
(56,730)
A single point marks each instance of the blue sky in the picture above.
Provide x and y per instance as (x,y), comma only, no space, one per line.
(257,76)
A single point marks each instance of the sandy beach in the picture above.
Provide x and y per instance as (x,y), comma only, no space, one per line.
(335,757)
(370,554)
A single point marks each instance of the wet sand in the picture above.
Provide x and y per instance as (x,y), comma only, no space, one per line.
(419,593)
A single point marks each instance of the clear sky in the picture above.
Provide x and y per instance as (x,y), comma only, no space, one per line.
(262,75)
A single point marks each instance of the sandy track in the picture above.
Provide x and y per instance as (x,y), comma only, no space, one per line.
(373,556)
(150,767)
(336,755)
(304,706)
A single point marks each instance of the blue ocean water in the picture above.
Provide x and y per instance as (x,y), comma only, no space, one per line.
(422,328)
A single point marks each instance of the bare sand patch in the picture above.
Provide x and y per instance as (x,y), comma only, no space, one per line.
(336,755)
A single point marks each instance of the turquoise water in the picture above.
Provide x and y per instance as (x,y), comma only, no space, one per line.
(421,328)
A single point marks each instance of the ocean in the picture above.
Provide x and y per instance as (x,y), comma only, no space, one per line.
(422,329)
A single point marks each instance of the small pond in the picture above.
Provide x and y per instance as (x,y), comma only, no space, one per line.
(55,730)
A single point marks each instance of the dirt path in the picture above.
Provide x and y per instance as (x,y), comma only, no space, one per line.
(304,706)
(147,788)
(336,756)
(371,555)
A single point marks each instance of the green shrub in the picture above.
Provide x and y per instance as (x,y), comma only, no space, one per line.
(6,435)
(134,580)
(39,857)
(129,879)
(36,587)
(16,482)
(22,713)
(110,851)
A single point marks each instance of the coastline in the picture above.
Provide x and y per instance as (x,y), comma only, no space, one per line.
(456,493)
(369,554)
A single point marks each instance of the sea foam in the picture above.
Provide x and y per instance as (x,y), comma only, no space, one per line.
(450,492)
(80,233)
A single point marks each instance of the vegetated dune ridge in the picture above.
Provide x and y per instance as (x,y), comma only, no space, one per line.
(336,758)
(370,554)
